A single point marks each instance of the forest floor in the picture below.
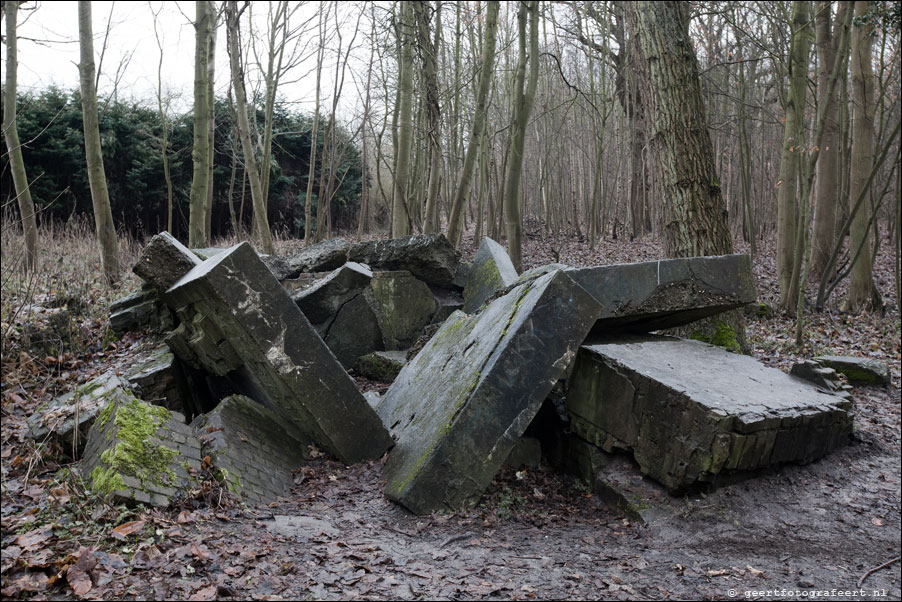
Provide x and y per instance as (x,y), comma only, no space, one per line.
(810,531)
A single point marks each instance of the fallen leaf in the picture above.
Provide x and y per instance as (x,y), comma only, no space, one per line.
(755,571)
(79,581)
(126,529)
(33,539)
(877,522)
(201,551)
(207,593)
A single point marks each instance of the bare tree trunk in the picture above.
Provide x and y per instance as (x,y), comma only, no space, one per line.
(482,94)
(164,127)
(14,148)
(200,152)
(863,294)
(211,126)
(103,215)
(827,182)
(790,162)
(429,48)
(400,212)
(523,101)
(311,174)
(244,129)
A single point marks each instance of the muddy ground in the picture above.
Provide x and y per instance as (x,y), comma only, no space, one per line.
(796,532)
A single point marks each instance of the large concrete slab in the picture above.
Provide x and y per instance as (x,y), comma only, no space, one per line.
(689,411)
(431,258)
(492,270)
(237,320)
(460,405)
(653,295)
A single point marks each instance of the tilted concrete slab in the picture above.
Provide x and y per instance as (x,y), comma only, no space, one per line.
(492,270)
(431,258)
(653,295)
(459,406)
(237,320)
(689,411)
(253,449)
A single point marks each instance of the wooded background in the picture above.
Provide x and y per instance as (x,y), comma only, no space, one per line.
(697,123)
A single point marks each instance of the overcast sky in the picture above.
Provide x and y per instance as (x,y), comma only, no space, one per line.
(48,51)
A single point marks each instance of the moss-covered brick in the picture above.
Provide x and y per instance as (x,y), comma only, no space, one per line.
(131,455)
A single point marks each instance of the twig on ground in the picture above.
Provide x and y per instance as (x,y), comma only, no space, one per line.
(877,568)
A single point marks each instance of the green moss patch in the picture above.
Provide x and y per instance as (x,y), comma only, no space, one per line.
(134,454)
(724,336)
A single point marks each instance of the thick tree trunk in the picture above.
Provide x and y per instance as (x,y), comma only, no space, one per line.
(200,152)
(827,187)
(211,125)
(695,215)
(863,294)
(13,147)
(244,130)
(476,134)
(103,215)
(429,48)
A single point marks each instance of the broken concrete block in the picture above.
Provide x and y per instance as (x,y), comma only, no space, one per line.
(404,305)
(138,452)
(323,256)
(237,320)
(383,366)
(492,270)
(821,376)
(431,258)
(689,411)
(858,370)
(253,450)
(293,285)
(459,406)
(155,379)
(353,332)
(163,261)
(641,297)
(277,265)
(139,311)
(68,419)
(321,300)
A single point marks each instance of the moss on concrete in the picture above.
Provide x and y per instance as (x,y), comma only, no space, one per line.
(724,336)
(134,454)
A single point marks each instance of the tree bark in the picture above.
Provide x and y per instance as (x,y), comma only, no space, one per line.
(13,147)
(863,294)
(695,216)
(200,152)
(827,187)
(790,160)
(400,225)
(103,215)
(523,102)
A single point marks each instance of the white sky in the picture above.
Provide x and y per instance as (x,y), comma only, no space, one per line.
(48,52)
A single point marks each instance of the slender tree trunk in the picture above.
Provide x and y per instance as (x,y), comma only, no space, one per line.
(11,137)
(311,174)
(863,294)
(400,211)
(790,162)
(244,129)
(211,126)
(103,215)
(524,98)
(429,49)
(200,152)
(482,94)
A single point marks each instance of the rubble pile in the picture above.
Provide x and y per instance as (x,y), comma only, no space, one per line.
(487,367)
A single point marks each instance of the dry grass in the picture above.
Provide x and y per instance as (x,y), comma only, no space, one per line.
(62,305)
